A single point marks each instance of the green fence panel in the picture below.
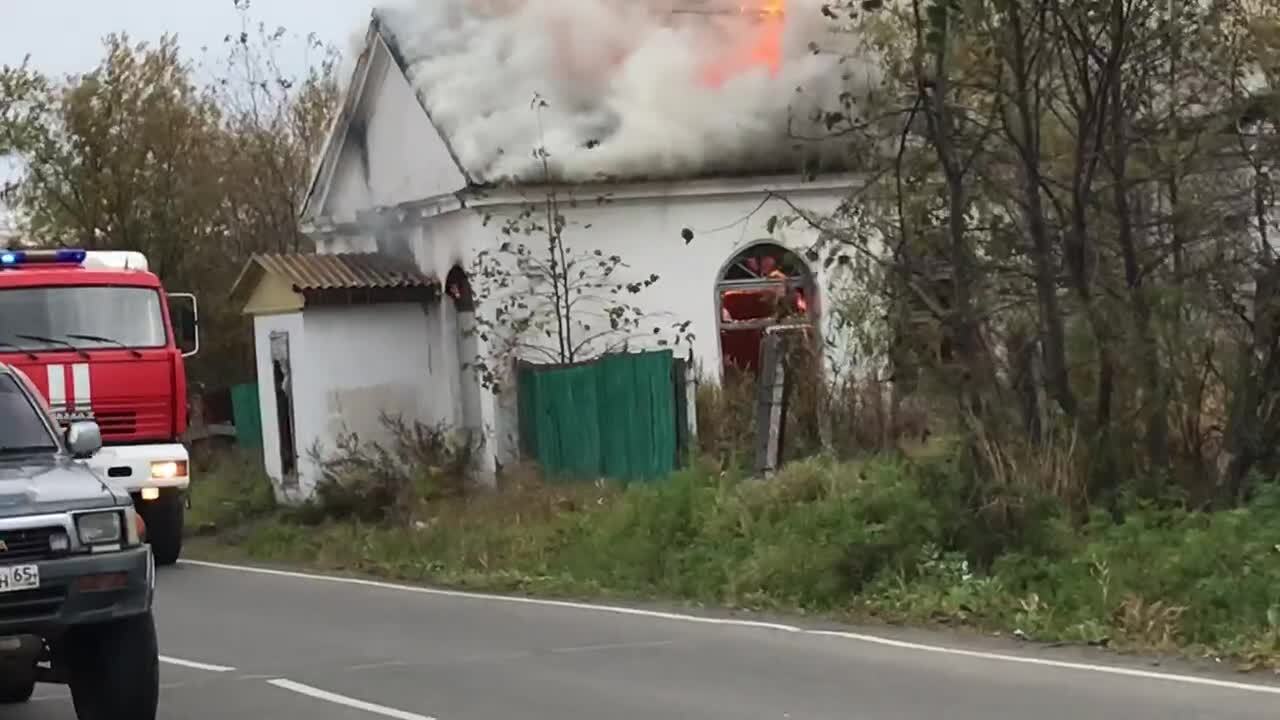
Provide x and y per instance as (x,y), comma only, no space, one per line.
(637,415)
(566,427)
(618,398)
(247,415)
(613,417)
(654,452)
(527,407)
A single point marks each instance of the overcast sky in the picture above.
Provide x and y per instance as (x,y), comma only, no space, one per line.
(64,36)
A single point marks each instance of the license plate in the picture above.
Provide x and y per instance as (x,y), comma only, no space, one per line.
(19,577)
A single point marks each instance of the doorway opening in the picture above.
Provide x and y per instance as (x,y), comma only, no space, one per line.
(282,383)
(457,285)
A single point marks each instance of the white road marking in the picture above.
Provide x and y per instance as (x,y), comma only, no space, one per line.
(343,700)
(195,665)
(380,665)
(679,617)
(610,646)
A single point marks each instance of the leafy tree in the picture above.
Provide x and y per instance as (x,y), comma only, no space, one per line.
(274,125)
(1072,226)
(140,153)
(19,86)
(541,300)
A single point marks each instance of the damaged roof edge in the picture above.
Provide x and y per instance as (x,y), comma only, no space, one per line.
(327,160)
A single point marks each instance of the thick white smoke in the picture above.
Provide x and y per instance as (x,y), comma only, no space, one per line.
(626,84)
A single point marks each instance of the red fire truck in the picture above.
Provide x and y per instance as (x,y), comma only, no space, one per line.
(93,331)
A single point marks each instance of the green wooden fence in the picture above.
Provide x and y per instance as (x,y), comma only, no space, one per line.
(247,415)
(614,417)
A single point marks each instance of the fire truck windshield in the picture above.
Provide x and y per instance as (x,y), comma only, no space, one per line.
(86,317)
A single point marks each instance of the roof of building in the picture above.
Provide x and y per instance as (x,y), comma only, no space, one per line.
(786,152)
(373,277)
(309,271)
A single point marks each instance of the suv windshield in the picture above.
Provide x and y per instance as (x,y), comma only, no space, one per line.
(114,316)
(21,427)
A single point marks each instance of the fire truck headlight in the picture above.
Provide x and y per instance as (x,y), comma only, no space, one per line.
(168,469)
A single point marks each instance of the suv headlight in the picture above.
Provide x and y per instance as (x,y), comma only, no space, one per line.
(100,528)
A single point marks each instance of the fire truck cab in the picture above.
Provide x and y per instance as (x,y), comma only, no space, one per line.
(94,332)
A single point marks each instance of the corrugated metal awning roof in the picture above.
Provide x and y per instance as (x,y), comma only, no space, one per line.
(336,279)
(344,271)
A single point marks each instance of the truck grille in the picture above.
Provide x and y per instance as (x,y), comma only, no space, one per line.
(117,424)
(23,546)
(31,604)
(132,420)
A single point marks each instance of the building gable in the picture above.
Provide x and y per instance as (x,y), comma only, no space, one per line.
(382,149)
(273,296)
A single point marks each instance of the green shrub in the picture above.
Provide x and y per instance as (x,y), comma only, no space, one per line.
(227,489)
(373,481)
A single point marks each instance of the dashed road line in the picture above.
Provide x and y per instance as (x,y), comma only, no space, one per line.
(325,695)
(192,664)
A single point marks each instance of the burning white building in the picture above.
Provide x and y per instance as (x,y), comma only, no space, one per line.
(684,115)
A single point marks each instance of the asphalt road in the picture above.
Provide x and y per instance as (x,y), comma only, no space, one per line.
(241,644)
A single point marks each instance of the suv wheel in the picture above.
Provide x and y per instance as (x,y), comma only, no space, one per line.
(17,682)
(113,669)
(164,517)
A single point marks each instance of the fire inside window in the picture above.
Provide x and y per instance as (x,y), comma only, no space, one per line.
(764,286)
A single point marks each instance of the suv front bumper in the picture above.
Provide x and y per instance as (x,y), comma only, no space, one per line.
(67,596)
(128,467)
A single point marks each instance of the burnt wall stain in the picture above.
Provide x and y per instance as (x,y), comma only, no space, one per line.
(358,136)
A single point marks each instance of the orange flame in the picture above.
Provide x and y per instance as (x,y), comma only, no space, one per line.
(762,50)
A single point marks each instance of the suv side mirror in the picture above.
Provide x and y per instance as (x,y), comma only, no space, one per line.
(84,439)
(185,317)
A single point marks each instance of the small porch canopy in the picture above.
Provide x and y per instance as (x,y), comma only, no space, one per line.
(271,284)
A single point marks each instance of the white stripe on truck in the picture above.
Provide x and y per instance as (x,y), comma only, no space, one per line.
(57,387)
(81,390)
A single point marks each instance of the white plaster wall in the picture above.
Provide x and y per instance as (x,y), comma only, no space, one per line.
(646,234)
(363,360)
(263,326)
(407,159)
(349,192)
(350,364)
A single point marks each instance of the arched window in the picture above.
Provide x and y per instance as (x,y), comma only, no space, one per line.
(762,286)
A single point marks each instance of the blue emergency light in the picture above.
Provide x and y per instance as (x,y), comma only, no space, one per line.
(61,256)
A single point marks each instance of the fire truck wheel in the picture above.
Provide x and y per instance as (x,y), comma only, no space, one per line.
(17,682)
(164,518)
(113,669)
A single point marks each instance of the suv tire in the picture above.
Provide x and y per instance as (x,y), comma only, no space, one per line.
(113,669)
(17,683)
(164,517)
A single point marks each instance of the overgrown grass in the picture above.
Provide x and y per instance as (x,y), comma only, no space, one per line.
(228,489)
(891,539)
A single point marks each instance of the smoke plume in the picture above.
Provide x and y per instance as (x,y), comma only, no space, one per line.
(630,89)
